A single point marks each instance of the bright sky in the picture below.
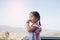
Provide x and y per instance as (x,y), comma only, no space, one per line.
(15,12)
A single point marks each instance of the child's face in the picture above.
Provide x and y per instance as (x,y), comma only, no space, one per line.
(32,17)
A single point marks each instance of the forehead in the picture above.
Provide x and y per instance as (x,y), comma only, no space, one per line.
(30,14)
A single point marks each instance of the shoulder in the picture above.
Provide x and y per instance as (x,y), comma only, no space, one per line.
(36,25)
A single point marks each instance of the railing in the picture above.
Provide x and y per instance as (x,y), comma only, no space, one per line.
(50,38)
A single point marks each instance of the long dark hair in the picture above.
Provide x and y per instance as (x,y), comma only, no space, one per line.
(37,16)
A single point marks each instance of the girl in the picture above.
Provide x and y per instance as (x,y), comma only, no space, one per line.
(35,29)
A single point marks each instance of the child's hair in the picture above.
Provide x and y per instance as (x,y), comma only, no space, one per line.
(37,16)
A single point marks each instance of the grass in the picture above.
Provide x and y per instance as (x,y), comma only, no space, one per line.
(8,36)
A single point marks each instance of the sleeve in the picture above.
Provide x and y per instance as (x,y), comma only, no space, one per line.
(38,28)
(35,25)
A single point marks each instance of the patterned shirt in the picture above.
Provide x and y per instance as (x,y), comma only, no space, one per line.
(35,35)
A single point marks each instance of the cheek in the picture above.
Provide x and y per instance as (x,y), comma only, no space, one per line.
(31,18)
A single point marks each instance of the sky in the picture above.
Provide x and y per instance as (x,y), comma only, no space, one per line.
(14,13)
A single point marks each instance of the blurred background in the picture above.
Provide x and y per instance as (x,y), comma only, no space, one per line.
(14,13)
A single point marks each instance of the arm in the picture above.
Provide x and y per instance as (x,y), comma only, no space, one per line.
(29,29)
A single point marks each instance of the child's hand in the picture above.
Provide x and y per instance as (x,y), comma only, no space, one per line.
(28,21)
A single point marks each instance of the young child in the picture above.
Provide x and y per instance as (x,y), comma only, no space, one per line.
(35,29)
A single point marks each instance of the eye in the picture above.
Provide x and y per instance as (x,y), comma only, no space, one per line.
(31,16)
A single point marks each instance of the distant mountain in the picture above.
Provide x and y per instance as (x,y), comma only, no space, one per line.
(50,31)
(11,29)
(21,30)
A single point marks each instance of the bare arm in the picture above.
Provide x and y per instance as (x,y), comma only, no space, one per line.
(29,29)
